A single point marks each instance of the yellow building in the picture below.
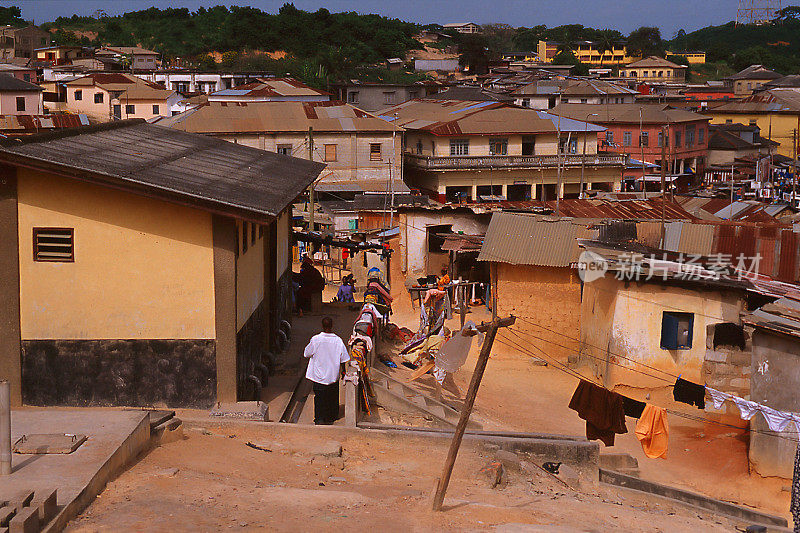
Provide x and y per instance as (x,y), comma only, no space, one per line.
(466,150)
(694,58)
(776,112)
(106,96)
(142,265)
(654,69)
(587,52)
(751,79)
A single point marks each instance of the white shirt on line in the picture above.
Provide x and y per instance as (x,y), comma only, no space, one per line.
(326,352)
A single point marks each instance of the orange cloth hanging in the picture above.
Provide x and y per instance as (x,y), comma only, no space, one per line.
(652,430)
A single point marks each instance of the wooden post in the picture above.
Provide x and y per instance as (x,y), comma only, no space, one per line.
(469,401)
(462,303)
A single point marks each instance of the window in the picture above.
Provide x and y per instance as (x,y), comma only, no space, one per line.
(660,73)
(610,138)
(669,73)
(20,103)
(528,145)
(419,147)
(583,100)
(459,146)
(78,95)
(130,109)
(54,245)
(458,193)
(413,95)
(253,234)
(330,152)
(375,152)
(244,236)
(488,192)
(690,135)
(645,73)
(43,41)
(388,97)
(753,122)
(701,135)
(26,77)
(117,111)
(285,149)
(645,138)
(626,138)
(498,145)
(677,139)
(526,102)
(676,330)
(98,98)
(156,110)
(352,97)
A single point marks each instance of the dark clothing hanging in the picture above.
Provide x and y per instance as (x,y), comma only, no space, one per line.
(795,505)
(633,408)
(602,410)
(688,392)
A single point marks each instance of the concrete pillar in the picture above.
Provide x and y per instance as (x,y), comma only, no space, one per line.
(351,396)
(224,237)
(5,428)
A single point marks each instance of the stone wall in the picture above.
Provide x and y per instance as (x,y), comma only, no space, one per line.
(727,369)
(178,373)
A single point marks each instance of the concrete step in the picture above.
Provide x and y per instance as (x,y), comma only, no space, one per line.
(617,461)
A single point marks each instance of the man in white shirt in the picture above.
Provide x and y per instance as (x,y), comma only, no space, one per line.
(327,353)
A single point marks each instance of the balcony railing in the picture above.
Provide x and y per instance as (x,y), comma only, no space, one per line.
(511,161)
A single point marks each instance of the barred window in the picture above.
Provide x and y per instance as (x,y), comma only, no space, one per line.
(375,152)
(459,146)
(54,245)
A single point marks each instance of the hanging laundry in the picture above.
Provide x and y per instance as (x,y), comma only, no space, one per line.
(602,410)
(776,420)
(454,353)
(746,408)
(633,408)
(795,505)
(718,397)
(688,392)
(652,430)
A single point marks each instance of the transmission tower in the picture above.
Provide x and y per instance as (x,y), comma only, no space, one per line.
(757,11)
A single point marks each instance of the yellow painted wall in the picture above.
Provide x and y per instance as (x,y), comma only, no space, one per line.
(86,105)
(625,319)
(143,268)
(773,126)
(249,273)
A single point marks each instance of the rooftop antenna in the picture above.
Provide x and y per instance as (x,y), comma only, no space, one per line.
(757,11)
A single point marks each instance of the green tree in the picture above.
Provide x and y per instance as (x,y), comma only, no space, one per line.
(646,41)
(11,16)
(473,53)
(566,57)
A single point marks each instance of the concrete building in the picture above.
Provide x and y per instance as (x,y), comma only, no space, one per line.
(463,150)
(18,71)
(587,52)
(686,138)
(62,55)
(19,97)
(729,143)
(142,265)
(546,94)
(463,27)
(774,381)
(361,152)
(776,112)
(105,96)
(654,69)
(271,90)
(21,42)
(372,97)
(186,82)
(130,57)
(751,79)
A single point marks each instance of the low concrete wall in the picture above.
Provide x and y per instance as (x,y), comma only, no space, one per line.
(136,443)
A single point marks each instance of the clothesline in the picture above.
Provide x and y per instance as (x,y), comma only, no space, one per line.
(562,367)
(776,420)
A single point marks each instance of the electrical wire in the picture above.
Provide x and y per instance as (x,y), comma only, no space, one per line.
(574,373)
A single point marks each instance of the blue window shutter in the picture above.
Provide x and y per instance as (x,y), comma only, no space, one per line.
(669,331)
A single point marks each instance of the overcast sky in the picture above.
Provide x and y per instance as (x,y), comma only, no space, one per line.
(624,15)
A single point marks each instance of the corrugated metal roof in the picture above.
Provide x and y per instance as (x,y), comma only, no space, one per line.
(146,159)
(531,240)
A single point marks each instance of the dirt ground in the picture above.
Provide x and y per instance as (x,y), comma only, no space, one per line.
(213,480)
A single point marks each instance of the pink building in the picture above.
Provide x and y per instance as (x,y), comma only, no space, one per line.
(686,135)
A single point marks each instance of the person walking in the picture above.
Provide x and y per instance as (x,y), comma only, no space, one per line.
(326,353)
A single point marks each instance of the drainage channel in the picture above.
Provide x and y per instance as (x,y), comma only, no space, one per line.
(297,402)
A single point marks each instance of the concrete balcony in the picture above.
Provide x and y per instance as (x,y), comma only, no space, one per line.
(469,162)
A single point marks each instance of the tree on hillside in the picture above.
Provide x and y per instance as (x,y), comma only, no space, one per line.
(566,57)
(605,42)
(11,16)
(473,53)
(527,39)
(646,41)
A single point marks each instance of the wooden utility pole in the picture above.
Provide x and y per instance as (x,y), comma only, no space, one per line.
(663,185)
(311,188)
(794,170)
(491,331)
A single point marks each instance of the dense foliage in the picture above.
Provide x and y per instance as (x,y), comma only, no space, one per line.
(775,45)
(335,42)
